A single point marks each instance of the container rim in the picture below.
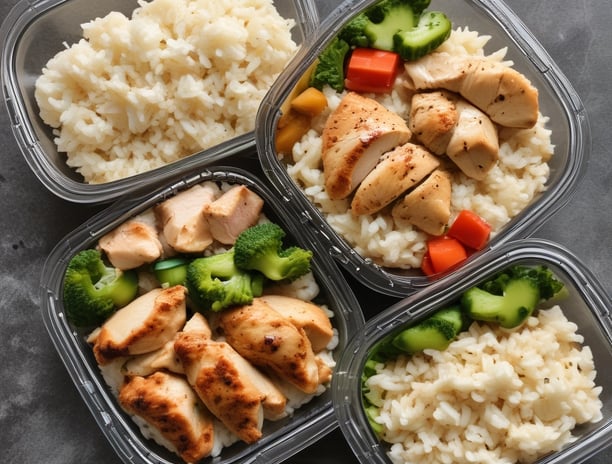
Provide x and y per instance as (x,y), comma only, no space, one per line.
(129,445)
(347,396)
(11,30)
(372,275)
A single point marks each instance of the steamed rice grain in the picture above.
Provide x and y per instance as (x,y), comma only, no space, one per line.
(177,77)
(519,176)
(491,396)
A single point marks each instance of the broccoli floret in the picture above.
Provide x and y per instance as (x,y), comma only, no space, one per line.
(93,290)
(260,248)
(330,67)
(215,283)
(520,297)
(548,284)
(511,296)
(386,19)
(399,26)
(353,32)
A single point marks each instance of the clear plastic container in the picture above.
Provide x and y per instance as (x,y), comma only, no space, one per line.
(587,305)
(558,100)
(33,33)
(281,439)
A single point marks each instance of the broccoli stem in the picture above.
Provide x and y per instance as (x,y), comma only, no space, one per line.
(519,300)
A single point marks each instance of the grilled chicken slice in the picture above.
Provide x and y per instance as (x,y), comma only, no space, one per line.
(433,117)
(269,340)
(181,219)
(471,142)
(397,171)
(427,206)
(304,315)
(131,245)
(502,92)
(144,325)
(474,146)
(233,390)
(354,137)
(169,405)
(165,357)
(231,213)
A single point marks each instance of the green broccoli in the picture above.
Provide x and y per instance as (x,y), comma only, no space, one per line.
(93,290)
(214,282)
(399,26)
(431,31)
(330,67)
(435,332)
(511,296)
(260,248)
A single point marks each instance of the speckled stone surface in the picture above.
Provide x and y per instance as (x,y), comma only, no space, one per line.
(42,417)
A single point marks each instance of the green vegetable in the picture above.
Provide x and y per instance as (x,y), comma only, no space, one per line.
(435,332)
(330,67)
(386,19)
(93,290)
(399,26)
(172,271)
(431,31)
(214,282)
(260,248)
(511,297)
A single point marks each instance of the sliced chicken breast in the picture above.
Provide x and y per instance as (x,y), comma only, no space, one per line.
(144,325)
(182,220)
(170,406)
(396,172)
(502,92)
(474,145)
(131,245)
(232,389)
(427,206)
(304,315)
(231,213)
(472,142)
(354,137)
(269,340)
(165,358)
(433,117)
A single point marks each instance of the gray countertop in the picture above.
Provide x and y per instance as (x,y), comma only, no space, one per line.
(42,417)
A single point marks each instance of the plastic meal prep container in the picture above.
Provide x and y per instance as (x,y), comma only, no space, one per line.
(281,439)
(587,305)
(558,100)
(33,33)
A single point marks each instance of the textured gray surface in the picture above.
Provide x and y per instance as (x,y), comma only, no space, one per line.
(42,418)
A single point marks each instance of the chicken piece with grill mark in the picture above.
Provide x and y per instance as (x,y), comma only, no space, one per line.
(500,91)
(171,408)
(396,172)
(356,134)
(427,206)
(446,123)
(269,340)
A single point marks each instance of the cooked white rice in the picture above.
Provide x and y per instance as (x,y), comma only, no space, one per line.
(492,396)
(519,176)
(177,77)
